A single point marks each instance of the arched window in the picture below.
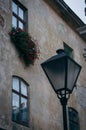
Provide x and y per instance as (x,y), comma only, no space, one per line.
(20,101)
(73,119)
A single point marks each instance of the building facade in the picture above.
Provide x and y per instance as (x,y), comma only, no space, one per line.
(27,100)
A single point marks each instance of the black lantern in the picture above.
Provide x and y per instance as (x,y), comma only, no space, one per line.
(62,72)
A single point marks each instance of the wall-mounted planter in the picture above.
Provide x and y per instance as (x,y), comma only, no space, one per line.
(27,47)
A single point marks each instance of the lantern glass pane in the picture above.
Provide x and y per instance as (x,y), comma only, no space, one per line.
(56,73)
(73,71)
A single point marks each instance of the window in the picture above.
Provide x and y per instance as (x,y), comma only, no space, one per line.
(73,119)
(20,101)
(68,50)
(19,15)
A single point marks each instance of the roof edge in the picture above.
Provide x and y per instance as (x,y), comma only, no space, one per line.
(66,13)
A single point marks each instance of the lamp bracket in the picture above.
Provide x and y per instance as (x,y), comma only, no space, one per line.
(63,95)
(63,101)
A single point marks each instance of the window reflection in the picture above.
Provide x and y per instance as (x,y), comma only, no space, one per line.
(20,25)
(15,107)
(14,21)
(24,101)
(16,84)
(23,110)
(23,88)
(21,13)
(15,100)
(14,7)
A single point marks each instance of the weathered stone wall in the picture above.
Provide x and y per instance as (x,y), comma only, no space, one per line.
(51,31)
(5,73)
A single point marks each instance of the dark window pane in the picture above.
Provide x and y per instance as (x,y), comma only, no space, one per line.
(73,126)
(73,115)
(73,119)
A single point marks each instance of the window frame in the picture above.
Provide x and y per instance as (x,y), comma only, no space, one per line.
(21,96)
(71,121)
(24,21)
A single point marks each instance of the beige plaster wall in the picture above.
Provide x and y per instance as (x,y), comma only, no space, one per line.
(50,31)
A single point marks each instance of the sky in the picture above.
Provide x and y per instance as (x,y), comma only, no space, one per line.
(78,7)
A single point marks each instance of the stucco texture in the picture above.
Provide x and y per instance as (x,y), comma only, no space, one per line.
(49,29)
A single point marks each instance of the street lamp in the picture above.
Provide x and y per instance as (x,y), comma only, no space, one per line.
(62,72)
